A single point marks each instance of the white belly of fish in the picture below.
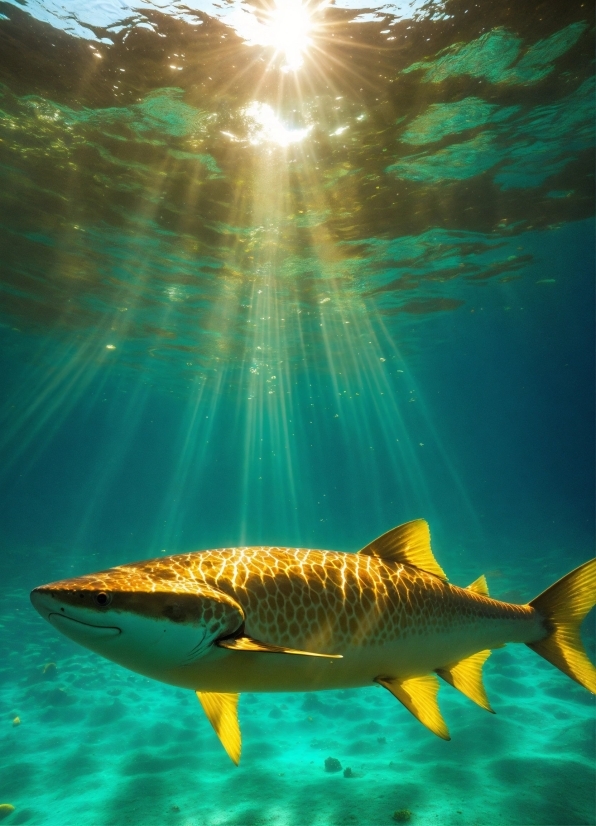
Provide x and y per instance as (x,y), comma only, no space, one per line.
(220,670)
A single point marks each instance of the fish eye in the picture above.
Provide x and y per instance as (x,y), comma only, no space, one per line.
(103,598)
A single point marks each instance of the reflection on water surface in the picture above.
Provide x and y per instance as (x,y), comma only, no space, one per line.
(176,173)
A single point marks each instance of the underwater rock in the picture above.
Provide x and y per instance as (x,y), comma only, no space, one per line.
(5,810)
(332,764)
(16,721)
(402,815)
(312,703)
(372,727)
(349,773)
(59,697)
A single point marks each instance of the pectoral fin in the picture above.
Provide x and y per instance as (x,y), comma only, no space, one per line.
(419,695)
(466,676)
(248,644)
(222,713)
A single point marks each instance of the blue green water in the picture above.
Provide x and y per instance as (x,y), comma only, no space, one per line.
(247,304)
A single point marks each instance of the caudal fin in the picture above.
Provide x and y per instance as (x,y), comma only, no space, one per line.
(564,606)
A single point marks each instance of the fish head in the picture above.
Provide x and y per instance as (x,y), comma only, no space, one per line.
(150,617)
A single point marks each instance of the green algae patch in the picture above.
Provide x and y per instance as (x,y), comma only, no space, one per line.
(162,111)
(5,810)
(492,57)
(528,148)
(165,111)
(488,57)
(443,119)
(537,62)
(455,163)
(208,161)
(59,129)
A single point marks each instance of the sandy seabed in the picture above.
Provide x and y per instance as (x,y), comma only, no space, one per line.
(100,746)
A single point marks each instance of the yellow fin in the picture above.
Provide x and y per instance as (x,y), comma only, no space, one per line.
(466,676)
(222,713)
(419,695)
(479,586)
(409,544)
(248,644)
(563,607)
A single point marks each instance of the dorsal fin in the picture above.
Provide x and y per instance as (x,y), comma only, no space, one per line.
(410,544)
(222,713)
(419,695)
(466,676)
(479,586)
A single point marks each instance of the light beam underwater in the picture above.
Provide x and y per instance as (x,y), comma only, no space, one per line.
(288,619)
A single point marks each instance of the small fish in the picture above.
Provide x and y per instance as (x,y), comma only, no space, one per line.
(224,621)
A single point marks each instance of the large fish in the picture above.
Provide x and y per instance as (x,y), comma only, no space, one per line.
(290,619)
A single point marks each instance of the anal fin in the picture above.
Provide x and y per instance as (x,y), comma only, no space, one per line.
(248,644)
(222,713)
(419,696)
(466,676)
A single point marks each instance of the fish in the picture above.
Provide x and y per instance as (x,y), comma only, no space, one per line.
(266,619)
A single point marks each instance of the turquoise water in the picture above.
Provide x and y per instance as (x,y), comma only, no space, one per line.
(258,290)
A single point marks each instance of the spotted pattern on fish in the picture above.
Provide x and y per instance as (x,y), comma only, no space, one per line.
(322,601)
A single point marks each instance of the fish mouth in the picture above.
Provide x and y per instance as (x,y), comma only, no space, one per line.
(70,627)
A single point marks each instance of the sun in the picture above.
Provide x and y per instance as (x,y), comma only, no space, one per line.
(286,27)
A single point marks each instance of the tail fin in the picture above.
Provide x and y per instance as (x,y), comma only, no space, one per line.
(564,606)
